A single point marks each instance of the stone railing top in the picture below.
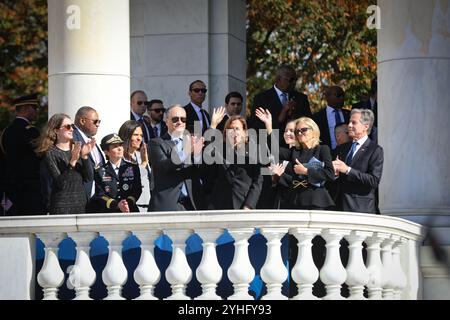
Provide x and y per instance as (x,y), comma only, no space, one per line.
(222,219)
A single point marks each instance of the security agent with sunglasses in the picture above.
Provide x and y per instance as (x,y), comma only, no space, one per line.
(86,125)
(195,111)
(19,164)
(118,182)
(175,174)
(333,115)
(138,106)
(155,110)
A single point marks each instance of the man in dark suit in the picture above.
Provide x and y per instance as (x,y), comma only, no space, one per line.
(283,102)
(195,111)
(371,103)
(333,115)
(85,128)
(138,106)
(233,107)
(359,164)
(174,175)
(20,170)
(155,110)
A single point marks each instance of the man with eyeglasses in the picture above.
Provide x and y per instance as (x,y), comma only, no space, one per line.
(155,110)
(331,116)
(174,174)
(138,106)
(85,128)
(19,163)
(195,111)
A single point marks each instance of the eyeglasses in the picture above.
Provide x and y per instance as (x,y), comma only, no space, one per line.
(197,90)
(95,122)
(159,110)
(140,103)
(67,127)
(176,119)
(301,130)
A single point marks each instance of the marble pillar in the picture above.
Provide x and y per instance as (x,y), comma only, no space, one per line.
(414,111)
(174,42)
(89,59)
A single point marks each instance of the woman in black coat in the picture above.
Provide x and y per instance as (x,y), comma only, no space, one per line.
(310,166)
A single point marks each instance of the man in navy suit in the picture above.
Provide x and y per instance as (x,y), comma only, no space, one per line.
(138,106)
(359,164)
(174,175)
(332,116)
(85,128)
(155,110)
(195,110)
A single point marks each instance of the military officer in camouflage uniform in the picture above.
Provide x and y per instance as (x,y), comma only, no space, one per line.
(118,182)
(19,164)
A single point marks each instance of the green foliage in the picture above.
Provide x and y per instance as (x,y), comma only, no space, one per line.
(327,41)
(23,48)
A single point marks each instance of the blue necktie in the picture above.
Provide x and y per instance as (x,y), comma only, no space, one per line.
(179,146)
(283,99)
(350,155)
(337,117)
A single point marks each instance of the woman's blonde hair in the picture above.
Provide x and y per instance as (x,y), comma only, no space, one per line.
(315,131)
(48,135)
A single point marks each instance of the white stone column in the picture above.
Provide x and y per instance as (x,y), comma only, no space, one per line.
(209,271)
(178,273)
(51,276)
(387,276)
(176,42)
(413,112)
(374,265)
(357,274)
(241,271)
(305,272)
(147,273)
(89,59)
(400,276)
(274,272)
(115,273)
(333,273)
(82,275)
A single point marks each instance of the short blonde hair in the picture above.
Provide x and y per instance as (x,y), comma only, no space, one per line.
(315,131)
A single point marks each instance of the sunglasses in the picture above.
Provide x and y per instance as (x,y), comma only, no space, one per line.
(158,110)
(197,90)
(176,119)
(293,79)
(301,130)
(96,122)
(67,127)
(140,103)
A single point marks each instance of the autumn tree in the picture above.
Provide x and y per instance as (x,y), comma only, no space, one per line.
(327,41)
(23,51)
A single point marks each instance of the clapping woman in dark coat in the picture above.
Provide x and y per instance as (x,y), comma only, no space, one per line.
(67,163)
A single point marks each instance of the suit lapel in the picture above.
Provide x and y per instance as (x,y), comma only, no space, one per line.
(111,171)
(361,151)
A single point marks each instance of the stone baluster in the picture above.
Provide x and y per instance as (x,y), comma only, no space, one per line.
(178,273)
(82,275)
(209,272)
(115,274)
(147,274)
(333,273)
(374,265)
(305,272)
(51,276)
(400,276)
(387,274)
(274,272)
(357,273)
(241,271)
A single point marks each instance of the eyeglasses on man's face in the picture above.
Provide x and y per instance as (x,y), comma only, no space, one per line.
(176,119)
(140,103)
(202,90)
(301,131)
(94,121)
(158,110)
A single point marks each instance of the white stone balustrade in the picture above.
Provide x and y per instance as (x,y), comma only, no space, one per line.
(386,274)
